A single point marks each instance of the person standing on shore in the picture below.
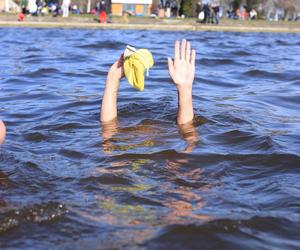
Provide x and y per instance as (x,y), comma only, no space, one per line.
(207,13)
(216,11)
(39,5)
(24,7)
(2,132)
(174,8)
(65,7)
(32,7)
(253,14)
(102,13)
(168,9)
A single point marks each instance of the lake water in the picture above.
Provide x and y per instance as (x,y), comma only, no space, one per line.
(231,181)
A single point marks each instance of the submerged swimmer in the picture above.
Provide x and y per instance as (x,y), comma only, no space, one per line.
(182,72)
(2,132)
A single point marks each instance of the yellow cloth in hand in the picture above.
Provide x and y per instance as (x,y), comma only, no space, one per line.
(135,66)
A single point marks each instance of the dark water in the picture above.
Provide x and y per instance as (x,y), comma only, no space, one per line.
(231,181)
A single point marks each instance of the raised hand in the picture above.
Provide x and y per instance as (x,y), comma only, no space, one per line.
(182,70)
(116,71)
(109,107)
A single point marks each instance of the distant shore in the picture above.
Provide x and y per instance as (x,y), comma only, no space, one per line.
(144,23)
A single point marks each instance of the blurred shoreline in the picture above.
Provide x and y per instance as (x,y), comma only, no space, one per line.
(147,23)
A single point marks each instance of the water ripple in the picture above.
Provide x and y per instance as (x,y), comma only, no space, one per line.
(229,180)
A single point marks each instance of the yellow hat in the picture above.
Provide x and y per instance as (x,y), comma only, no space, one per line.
(135,66)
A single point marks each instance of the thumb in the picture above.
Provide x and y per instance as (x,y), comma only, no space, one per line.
(171,66)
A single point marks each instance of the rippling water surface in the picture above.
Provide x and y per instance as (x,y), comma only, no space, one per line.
(231,181)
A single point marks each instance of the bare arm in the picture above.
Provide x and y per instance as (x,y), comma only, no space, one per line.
(109,108)
(109,129)
(190,135)
(182,72)
(2,132)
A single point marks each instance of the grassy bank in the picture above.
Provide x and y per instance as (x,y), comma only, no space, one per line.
(88,21)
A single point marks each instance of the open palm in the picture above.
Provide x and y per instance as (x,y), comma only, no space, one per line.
(182,70)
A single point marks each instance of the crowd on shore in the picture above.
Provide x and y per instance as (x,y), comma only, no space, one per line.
(208,12)
(242,14)
(46,7)
(211,13)
(167,9)
(41,7)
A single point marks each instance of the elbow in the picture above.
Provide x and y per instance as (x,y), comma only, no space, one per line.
(2,132)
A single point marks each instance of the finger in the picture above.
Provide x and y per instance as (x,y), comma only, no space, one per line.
(176,51)
(182,49)
(171,66)
(120,61)
(188,51)
(193,57)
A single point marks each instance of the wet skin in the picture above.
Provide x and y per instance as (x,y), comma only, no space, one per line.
(2,132)
(182,72)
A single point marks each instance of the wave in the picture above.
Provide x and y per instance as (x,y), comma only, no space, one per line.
(217,62)
(227,234)
(41,72)
(271,75)
(286,43)
(35,137)
(103,45)
(227,181)
(36,213)
(270,160)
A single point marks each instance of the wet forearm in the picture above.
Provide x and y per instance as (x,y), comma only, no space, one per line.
(185,105)
(109,100)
